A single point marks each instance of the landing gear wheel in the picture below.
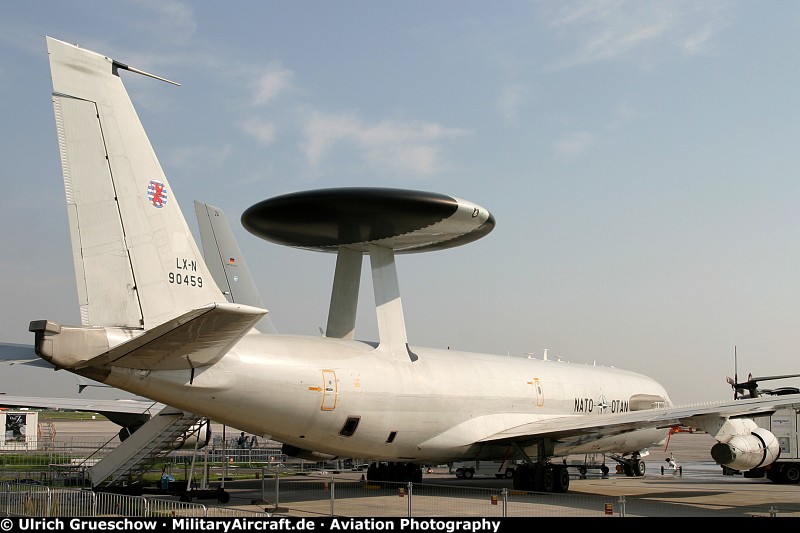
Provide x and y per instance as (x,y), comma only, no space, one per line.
(791,473)
(417,475)
(372,472)
(509,473)
(628,469)
(224,497)
(523,478)
(538,477)
(548,479)
(517,479)
(639,467)
(582,470)
(604,470)
(468,474)
(561,479)
(773,474)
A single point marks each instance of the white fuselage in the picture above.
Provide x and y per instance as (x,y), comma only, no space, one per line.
(436,407)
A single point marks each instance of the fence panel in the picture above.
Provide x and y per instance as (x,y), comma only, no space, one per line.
(226,512)
(367,498)
(110,504)
(162,507)
(71,502)
(451,500)
(27,500)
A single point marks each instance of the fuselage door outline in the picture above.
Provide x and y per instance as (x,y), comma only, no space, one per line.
(329,390)
(538,391)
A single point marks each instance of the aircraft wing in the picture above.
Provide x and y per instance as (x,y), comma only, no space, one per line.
(148,407)
(126,413)
(21,354)
(702,416)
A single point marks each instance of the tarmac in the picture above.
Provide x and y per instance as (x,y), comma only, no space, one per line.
(697,482)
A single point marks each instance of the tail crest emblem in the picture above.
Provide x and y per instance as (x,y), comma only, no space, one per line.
(157,193)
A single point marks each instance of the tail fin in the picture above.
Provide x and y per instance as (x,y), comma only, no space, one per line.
(226,262)
(136,263)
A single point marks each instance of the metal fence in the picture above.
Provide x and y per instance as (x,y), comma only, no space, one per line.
(19,499)
(52,481)
(336,496)
(332,496)
(68,463)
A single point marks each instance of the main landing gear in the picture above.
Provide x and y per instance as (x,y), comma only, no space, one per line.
(631,466)
(541,477)
(397,472)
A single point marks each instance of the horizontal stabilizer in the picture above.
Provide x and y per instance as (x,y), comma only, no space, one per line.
(197,338)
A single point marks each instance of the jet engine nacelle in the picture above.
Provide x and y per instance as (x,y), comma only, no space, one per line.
(308,455)
(196,437)
(744,452)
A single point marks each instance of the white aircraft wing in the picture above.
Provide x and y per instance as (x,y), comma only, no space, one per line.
(570,428)
(21,354)
(129,414)
(147,407)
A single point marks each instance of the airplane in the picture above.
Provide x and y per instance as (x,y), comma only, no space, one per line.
(749,388)
(156,324)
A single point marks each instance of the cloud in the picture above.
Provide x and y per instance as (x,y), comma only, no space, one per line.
(696,43)
(171,17)
(200,157)
(405,147)
(263,132)
(625,113)
(608,29)
(511,97)
(271,83)
(574,145)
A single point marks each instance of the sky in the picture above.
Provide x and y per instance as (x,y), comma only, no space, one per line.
(640,159)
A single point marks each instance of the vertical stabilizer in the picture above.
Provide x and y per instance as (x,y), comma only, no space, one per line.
(226,262)
(136,262)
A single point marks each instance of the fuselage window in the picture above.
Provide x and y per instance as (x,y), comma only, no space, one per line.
(350,426)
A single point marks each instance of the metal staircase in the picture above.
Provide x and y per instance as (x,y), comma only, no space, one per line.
(155,439)
(46,435)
